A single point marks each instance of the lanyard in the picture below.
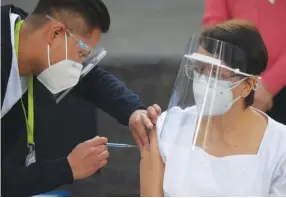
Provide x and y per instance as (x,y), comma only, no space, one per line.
(30,117)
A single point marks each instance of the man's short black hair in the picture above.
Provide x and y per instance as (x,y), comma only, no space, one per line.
(94,13)
(244,35)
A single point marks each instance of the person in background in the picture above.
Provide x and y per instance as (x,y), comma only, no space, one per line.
(268,16)
(49,46)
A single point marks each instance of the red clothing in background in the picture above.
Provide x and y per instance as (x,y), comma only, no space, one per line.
(270,19)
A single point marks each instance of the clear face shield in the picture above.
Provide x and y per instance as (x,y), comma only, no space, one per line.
(205,97)
(90,62)
(60,78)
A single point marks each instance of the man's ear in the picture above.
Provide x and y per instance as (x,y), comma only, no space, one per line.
(250,84)
(55,31)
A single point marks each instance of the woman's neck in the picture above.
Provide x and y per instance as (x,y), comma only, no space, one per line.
(226,126)
(242,135)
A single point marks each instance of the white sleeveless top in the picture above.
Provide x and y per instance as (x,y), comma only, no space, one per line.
(259,175)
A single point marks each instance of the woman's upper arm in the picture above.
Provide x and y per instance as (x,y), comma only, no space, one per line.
(151,169)
(152,166)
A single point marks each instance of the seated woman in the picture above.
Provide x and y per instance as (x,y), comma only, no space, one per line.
(210,141)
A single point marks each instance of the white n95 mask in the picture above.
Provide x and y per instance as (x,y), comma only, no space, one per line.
(219,98)
(62,75)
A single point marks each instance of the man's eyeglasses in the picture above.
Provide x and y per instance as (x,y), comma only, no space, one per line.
(80,43)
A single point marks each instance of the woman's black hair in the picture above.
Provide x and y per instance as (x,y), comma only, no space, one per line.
(249,54)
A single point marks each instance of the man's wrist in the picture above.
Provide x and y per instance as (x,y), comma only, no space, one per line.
(137,109)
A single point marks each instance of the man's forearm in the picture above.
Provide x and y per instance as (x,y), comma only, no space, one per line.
(109,94)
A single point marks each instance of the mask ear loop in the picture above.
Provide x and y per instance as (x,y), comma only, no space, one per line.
(254,88)
(233,101)
(66,42)
(237,83)
(49,59)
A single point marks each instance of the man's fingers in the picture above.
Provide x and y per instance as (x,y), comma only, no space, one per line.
(138,140)
(97,141)
(102,163)
(102,156)
(157,109)
(94,150)
(152,114)
(142,133)
(139,129)
(146,121)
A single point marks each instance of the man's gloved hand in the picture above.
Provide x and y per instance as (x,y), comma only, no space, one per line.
(142,121)
(87,157)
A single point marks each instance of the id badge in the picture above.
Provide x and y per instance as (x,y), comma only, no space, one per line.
(31,157)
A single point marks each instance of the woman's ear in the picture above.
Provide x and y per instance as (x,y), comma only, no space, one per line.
(250,84)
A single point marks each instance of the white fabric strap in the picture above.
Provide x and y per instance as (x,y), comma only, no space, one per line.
(66,42)
(66,45)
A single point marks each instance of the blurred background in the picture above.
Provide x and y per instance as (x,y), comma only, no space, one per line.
(145,44)
(159,27)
